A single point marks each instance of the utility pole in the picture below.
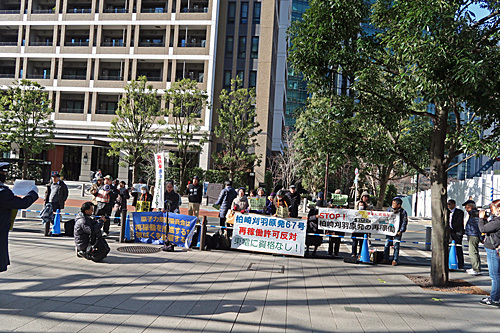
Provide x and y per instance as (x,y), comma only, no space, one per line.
(326,176)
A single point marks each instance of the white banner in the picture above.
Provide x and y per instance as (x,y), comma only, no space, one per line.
(350,220)
(158,201)
(261,233)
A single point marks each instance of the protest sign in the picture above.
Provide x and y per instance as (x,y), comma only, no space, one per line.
(142,206)
(22,187)
(257,203)
(151,228)
(350,220)
(159,182)
(339,199)
(269,234)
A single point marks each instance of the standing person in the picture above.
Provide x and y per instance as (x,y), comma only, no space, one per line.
(104,206)
(356,236)
(473,236)
(225,199)
(8,202)
(294,197)
(56,193)
(492,243)
(282,201)
(137,193)
(313,228)
(240,203)
(98,174)
(456,226)
(94,189)
(334,242)
(144,195)
(365,197)
(195,192)
(171,199)
(403,222)
(120,207)
(270,207)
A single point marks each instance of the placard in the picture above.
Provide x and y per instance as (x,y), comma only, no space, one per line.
(257,203)
(22,187)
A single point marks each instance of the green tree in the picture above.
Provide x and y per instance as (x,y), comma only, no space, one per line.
(237,129)
(186,103)
(430,60)
(25,119)
(137,125)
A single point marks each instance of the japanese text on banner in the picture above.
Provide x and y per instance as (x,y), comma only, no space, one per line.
(151,228)
(269,234)
(159,181)
(350,220)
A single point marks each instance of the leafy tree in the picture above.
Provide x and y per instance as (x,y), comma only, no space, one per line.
(429,60)
(237,129)
(25,119)
(137,126)
(187,101)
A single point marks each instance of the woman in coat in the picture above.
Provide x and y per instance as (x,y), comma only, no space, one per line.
(225,199)
(240,203)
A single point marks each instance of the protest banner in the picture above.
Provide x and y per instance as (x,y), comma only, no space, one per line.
(159,181)
(257,203)
(151,227)
(269,234)
(350,220)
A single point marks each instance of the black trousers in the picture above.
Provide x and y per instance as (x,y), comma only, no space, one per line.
(334,244)
(457,237)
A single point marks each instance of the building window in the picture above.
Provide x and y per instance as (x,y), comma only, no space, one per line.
(227,79)
(242,47)
(229,46)
(256,12)
(253,79)
(231,12)
(244,13)
(254,54)
(240,75)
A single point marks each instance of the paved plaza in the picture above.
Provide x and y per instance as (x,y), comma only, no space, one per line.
(48,289)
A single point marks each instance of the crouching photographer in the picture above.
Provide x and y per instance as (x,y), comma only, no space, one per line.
(492,243)
(88,237)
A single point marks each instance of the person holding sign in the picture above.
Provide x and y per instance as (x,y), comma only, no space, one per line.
(403,222)
(144,200)
(282,203)
(356,240)
(240,203)
(225,200)
(258,204)
(8,202)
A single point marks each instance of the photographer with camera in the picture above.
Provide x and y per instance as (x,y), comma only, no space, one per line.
(492,244)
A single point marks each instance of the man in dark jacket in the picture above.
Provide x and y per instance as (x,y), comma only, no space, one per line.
(171,199)
(84,227)
(225,199)
(473,236)
(294,197)
(456,227)
(56,193)
(403,222)
(195,192)
(8,202)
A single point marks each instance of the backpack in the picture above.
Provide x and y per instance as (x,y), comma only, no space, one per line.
(224,242)
(69,228)
(98,248)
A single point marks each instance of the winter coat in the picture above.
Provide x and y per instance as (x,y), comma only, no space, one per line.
(63,193)
(121,199)
(241,203)
(313,228)
(472,227)
(403,218)
(195,193)
(174,198)
(84,226)
(492,230)
(8,202)
(294,198)
(225,199)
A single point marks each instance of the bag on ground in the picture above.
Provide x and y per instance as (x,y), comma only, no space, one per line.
(98,249)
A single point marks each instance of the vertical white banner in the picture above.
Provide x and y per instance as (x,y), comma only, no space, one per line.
(158,200)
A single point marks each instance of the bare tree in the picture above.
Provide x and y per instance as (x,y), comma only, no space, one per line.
(286,166)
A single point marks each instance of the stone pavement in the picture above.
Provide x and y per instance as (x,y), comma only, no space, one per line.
(48,289)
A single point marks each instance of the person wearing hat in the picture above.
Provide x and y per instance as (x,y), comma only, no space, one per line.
(94,189)
(281,201)
(270,207)
(365,196)
(226,197)
(105,203)
(471,220)
(8,202)
(403,222)
(195,192)
(56,193)
(294,198)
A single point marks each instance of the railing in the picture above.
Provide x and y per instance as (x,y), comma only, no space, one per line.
(116,10)
(10,11)
(111,78)
(7,76)
(38,76)
(8,43)
(76,43)
(154,10)
(79,10)
(43,11)
(70,110)
(151,44)
(113,44)
(49,43)
(74,77)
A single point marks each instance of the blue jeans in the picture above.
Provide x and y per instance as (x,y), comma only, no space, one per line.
(388,242)
(494,269)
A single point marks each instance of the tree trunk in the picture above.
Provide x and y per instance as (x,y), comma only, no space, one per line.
(25,166)
(438,177)
(135,172)
(384,180)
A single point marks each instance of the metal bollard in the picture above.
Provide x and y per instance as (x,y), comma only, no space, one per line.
(24,213)
(304,208)
(428,237)
(203,231)
(83,190)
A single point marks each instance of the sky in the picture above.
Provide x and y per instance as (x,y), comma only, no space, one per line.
(480,12)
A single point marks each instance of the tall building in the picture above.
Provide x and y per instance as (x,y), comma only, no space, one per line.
(296,96)
(252,45)
(85,51)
